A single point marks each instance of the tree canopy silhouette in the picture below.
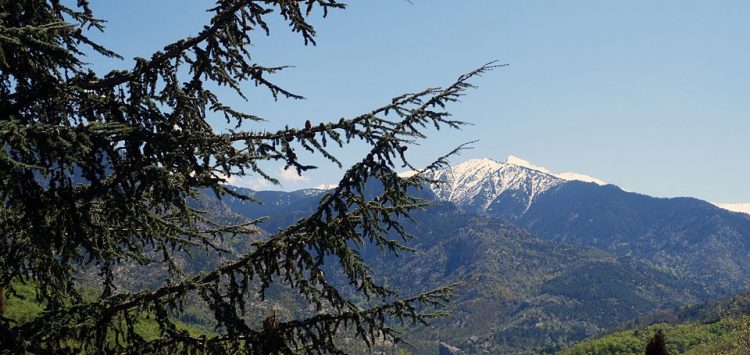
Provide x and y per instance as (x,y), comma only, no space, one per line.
(657,345)
(100,170)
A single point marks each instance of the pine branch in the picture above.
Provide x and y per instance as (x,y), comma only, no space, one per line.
(224,15)
(105,172)
(302,236)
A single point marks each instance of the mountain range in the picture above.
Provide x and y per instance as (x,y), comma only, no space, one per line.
(682,233)
(548,259)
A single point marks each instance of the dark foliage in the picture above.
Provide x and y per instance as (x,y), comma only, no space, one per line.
(100,171)
(657,345)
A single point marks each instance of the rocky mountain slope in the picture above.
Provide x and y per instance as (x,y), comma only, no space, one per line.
(520,292)
(547,259)
(524,293)
(682,233)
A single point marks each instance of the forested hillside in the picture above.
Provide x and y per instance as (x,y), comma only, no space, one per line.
(520,292)
(720,327)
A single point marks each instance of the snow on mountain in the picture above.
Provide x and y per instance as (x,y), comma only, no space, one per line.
(580,177)
(407,174)
(478,182)
(569,176)
(511,159)
(326,186)
(734,207)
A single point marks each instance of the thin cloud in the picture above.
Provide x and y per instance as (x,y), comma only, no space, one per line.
(291,175)
(254,183)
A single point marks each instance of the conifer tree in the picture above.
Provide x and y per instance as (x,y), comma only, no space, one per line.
(100,170)
(657,345)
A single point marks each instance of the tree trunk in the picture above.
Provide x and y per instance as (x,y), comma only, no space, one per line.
(2,301)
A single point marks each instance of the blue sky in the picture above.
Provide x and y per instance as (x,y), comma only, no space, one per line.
(651,96)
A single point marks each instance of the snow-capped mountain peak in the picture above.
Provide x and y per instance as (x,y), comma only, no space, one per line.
(478,184)
(511,159)
(569,176)
(326,187)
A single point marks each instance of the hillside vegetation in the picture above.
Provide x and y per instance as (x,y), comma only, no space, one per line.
(721,327)
(519,293)
(23,306)
(727,336)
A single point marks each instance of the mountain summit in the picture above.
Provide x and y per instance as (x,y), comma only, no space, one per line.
(476,184)
(569,176)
